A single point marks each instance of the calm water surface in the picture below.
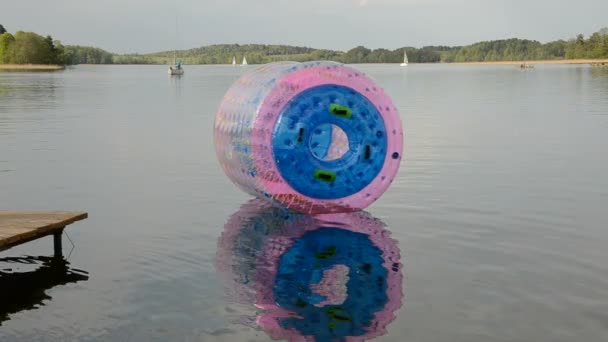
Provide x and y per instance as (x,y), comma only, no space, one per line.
(499,213)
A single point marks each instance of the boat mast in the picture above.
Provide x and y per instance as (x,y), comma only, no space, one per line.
(175,46)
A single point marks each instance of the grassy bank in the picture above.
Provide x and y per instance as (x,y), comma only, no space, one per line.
(36,67)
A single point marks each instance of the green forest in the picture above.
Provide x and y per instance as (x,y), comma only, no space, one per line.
(31,48)
(596,46)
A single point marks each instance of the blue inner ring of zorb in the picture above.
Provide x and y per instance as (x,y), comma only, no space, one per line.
(302,131)
(303,264)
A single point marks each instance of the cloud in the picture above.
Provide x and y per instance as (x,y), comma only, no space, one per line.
(148,25)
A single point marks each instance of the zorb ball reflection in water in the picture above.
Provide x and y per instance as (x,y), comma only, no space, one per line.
(330,277)
(317,137)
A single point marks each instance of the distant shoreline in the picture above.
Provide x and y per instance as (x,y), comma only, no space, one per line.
(54,67)
(550,61)
(37,67)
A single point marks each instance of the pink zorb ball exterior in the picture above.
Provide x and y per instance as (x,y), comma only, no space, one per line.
(316,137)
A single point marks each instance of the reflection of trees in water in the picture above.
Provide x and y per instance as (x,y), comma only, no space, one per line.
(327,277)
(32,90)
(601,71)
(26,290)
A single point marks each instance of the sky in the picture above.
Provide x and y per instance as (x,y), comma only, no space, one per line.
(125,26)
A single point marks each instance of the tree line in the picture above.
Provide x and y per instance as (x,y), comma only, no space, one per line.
(29,47)
(32,48)
(259,53)
(596,46)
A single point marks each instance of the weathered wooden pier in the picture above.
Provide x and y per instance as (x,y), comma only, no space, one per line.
(19,227)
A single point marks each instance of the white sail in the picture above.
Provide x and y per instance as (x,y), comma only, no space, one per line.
(234,60)
(405,61)
(244,61)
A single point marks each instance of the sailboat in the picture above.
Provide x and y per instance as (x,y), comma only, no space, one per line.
(176,68)
(405,61)
(233,60)
(244,61)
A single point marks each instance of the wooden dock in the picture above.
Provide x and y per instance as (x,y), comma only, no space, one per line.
(19,227)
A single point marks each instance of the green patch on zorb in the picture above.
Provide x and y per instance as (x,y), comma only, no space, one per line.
(325,176)
(341,111)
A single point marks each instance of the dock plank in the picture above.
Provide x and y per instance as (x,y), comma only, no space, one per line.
(17,227)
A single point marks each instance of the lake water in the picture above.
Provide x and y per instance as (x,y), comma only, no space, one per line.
(499,212)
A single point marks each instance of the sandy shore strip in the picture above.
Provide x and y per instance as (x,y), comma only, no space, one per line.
(25,67)
(554,61)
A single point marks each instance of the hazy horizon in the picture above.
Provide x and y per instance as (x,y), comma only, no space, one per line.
(149,26)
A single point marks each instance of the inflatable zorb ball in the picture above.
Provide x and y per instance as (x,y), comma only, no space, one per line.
(316,137)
